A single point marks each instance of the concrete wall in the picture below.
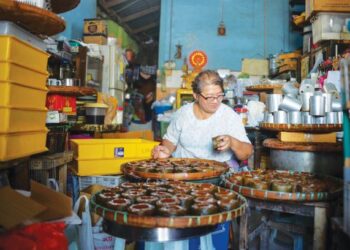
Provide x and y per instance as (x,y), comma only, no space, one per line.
(254,29)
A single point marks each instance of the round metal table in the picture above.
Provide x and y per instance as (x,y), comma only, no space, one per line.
(160,234)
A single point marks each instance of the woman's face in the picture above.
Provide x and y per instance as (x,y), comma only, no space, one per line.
(210,98)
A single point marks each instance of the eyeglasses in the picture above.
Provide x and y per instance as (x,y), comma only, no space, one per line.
(218,98)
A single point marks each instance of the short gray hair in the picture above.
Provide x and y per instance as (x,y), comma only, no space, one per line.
(206,77)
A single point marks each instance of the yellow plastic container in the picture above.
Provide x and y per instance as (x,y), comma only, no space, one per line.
(12,72)
(17,145)
(16,95)
(22,119)
(20,52)
(101,167)
(103,149)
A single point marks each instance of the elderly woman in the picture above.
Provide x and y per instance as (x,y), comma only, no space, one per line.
(193,126)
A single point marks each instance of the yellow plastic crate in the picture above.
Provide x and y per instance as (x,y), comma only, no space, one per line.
(20,52)
(12,72)
(22,119)
(16,95)
(101,167)
(103,149)
(17,145)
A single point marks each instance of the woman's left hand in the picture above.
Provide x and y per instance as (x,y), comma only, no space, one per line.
(224,142)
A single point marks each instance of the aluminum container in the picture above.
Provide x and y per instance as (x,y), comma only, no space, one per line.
(336,105)
(317,105)
(320,120)
(340,117)
(305,99)
(268,117)
(280,117)
(328,102)
(306,118)
(294,117)
(290,104)
(332,118)
(273,101)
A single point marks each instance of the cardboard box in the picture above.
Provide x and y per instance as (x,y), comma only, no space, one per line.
(314,6)
(95,27)
(65,104)
(306,137)
(101,40)
(44,204)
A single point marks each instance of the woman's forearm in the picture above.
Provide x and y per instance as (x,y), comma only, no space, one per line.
(241,149)
(169,145)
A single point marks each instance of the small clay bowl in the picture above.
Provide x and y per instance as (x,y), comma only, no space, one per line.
(147,199)
(167,201)
(205,200)
(172,210)
(119,204)
(105,197)
(204,209)
(185,200)
(142,209)
(227,205)
(224,194)
(281,186)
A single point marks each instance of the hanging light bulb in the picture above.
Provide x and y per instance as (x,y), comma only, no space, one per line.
(221,27)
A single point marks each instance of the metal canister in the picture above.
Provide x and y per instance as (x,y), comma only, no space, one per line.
(305,99)
(317,105)
(340,117)
(306,118)
(328,102)
(280,117)
(290,104)
(320,120)
(336,105)
(273,101)
(294,117)
(268,117)
(332,117)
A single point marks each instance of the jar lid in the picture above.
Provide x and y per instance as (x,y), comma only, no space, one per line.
(96,105)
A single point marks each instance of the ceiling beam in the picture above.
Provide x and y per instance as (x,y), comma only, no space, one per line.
(141,13)
(146,27)
(116,18)
(111,3)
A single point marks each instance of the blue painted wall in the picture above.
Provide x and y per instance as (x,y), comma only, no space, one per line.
(75,19)
(254,29)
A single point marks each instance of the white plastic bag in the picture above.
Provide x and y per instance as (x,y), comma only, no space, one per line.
(85,229)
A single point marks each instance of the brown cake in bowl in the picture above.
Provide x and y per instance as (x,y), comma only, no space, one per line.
(172,210)
(119,204)
(142,209)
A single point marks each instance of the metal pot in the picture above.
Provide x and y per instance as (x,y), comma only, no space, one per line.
(306,118)
(273,101)
(280,117)
(328,102)
(290,104)
(328,163)
(332,118)
(95,113)
(317,105)
(268,117)
(305,99)
(294,117)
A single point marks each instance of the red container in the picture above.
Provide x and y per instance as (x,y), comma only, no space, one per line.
(65,104)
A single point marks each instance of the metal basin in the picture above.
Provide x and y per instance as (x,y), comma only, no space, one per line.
(327,163)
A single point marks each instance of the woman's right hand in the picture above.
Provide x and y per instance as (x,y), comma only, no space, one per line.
(160,152)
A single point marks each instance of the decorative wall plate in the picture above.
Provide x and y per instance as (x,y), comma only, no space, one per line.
(276,185)
(174,169)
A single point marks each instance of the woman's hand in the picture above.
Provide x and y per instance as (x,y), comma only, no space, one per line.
(160,152)
(224,142)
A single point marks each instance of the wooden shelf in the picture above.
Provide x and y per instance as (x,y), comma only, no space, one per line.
(71,90)
(60,6)
(264,87)
(36,20)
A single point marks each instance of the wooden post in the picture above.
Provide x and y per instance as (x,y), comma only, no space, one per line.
(320,228)
(243,232)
